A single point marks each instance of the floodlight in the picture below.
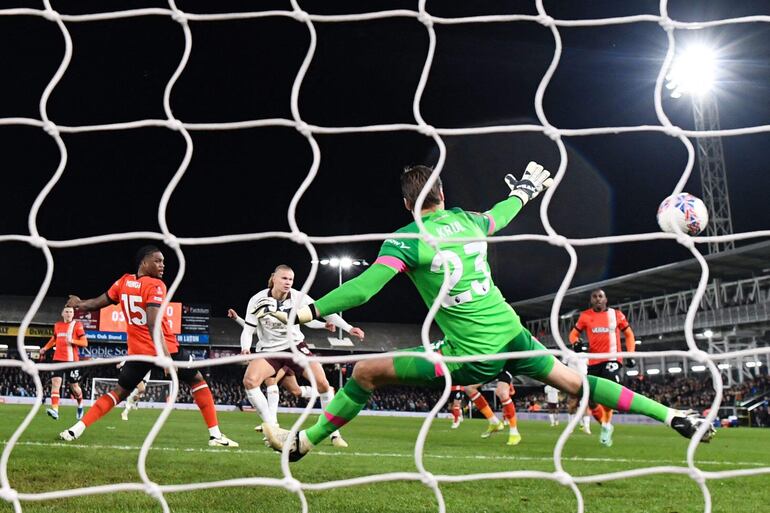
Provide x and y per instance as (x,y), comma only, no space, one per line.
(693,71)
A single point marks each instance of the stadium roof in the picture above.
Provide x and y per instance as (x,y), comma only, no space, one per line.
(736,264)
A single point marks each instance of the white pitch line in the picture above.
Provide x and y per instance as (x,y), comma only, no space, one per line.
(513,457)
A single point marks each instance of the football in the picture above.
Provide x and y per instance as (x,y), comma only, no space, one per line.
(684,211)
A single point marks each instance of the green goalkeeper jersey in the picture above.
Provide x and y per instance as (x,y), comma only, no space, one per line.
(474,314)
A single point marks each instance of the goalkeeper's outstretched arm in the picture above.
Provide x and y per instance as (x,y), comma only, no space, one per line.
(349,295)
(534,181)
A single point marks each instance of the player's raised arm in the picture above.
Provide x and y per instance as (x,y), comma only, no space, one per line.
(534,181)
(232,314)
(89,304)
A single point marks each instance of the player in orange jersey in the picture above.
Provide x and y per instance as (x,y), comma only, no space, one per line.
(140,296)
(68,335)
(603,326)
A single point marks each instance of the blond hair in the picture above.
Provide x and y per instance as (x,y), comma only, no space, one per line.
(282,267)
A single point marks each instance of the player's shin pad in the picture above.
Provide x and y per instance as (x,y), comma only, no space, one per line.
(618,397)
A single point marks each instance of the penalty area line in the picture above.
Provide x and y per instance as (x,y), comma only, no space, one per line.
(480,457)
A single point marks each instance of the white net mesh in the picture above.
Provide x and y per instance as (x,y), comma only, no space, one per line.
(701,477)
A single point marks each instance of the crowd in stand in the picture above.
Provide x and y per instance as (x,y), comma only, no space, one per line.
(672,390)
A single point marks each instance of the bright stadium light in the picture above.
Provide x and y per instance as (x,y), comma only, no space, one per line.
(692,72)
(753,364)
(674,370)
(708,333)
(653,372)
(698,368)
(632,372)
(723,366)
(341,263)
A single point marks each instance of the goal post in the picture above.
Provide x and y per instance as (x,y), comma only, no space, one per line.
(156,391)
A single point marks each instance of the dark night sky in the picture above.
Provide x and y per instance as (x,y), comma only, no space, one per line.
(362,73)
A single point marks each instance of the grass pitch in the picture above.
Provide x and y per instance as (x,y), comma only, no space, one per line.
(108,451)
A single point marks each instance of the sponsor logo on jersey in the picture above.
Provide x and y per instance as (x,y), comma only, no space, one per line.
(600,330)
(397,243)
(133,284)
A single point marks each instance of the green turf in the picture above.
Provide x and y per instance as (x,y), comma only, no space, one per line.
(108,451)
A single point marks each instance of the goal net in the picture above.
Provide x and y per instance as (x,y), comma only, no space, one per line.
(309,21)
(156,390)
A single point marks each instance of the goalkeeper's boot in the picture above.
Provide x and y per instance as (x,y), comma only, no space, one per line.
(277,438)
(493,428)
(68,435)
(258,428)
(513,439)
(54,414)
(79,414)
(222,441)
(338,441)
(456,423)
(124,414)
(686,423)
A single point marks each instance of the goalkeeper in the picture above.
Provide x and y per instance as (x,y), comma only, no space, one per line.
(474,316)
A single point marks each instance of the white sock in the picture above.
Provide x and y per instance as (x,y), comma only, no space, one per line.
(78,428)
(494,420)
(306,391)
(132,399)
(325,398)
(259,402)
(215,432)
(551,418)
(514,431)
(273,396)
(587,421)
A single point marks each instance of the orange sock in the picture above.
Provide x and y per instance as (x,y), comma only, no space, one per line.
(483,406)
(55,400)
(205,401)
(509,412)
(607,415)
(455,413)
(101,407)
(598,413)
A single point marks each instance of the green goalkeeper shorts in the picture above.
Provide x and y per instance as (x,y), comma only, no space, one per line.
(420,371)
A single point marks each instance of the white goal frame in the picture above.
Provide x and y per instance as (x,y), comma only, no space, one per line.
(115,381)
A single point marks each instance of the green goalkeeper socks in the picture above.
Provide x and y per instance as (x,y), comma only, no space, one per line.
(347,403)
(618,397)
